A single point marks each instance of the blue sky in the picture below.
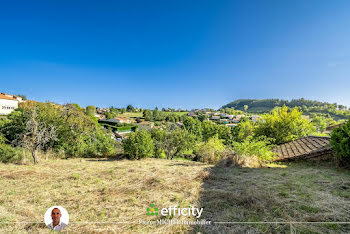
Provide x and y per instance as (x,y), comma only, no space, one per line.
(182,54)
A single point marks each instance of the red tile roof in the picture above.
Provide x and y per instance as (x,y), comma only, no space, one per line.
(2,96)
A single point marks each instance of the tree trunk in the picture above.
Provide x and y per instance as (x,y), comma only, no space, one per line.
(35,156)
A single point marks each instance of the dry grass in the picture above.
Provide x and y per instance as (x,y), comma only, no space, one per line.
(95,191)
(120,191)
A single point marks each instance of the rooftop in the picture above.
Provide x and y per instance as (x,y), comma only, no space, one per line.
(302,147)
(3,96)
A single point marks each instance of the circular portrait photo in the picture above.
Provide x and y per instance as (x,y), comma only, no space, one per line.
(56,218)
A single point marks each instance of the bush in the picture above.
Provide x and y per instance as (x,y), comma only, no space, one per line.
(139,145)
(243,130)
(340,143)
(211,151)
(260,148)
(9,154)
(172,143)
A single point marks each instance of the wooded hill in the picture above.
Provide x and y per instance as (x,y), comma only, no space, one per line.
(307,106)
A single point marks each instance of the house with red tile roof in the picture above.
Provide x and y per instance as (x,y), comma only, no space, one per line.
(8,103)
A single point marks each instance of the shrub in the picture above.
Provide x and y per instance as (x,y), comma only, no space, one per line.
(9,154)
(172,143)
(139,145)
(260,148)
(211,151)
(340,143)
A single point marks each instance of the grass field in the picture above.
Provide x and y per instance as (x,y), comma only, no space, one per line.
(131,114)
(118,193)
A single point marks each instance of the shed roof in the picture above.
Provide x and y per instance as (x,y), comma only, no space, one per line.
(302,147)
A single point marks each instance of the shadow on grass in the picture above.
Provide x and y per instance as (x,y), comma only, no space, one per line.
(118,157)
(243,196)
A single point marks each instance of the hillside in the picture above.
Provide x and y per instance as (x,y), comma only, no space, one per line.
(109,196)
(307,106)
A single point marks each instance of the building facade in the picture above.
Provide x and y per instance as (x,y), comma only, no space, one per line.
(8,103)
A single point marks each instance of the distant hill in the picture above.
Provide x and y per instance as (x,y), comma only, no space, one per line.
(307,106)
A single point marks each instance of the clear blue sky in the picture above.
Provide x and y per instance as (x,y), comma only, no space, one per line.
(187,54)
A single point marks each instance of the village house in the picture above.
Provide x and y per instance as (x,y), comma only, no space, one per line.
(100,116)
(231,125)
(215,117)
(123,120)
(102,110)
(8,103)
(224,121)
(119,120)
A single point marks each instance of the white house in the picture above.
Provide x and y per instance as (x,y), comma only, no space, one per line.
(8,103)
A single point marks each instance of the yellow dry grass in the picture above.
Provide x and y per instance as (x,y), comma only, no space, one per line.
(112,195)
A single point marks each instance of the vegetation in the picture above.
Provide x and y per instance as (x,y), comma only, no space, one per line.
(97,190)
(211,151)
(260,148)
(307,106)
(47,126)
(139,145)
(283,125)
(284,191)
(340,142)
(157,115)
(91,110)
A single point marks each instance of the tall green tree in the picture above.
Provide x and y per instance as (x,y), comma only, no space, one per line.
(284,124)
(91,110)
(147,114)
(139,145)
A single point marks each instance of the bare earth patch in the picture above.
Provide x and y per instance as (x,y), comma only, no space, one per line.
(113,195)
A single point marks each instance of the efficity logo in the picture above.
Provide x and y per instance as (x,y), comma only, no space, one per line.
(174,211)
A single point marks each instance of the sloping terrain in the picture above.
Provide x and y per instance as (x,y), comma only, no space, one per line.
(108,196)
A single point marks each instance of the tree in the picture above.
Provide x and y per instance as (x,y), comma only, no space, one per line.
(77,134)
(193,126)
(283,125)
(202,117)
(147,114)
(340,143)
(156,115)
(172,142)
(130,108)
(210,129)
(24,97)
(243,130)
(36,134)
(245,108)
(91,110)
(177,141)
(139,145)
(109,115)
(320,123)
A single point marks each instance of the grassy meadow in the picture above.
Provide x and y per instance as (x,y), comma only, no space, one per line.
(117,193)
